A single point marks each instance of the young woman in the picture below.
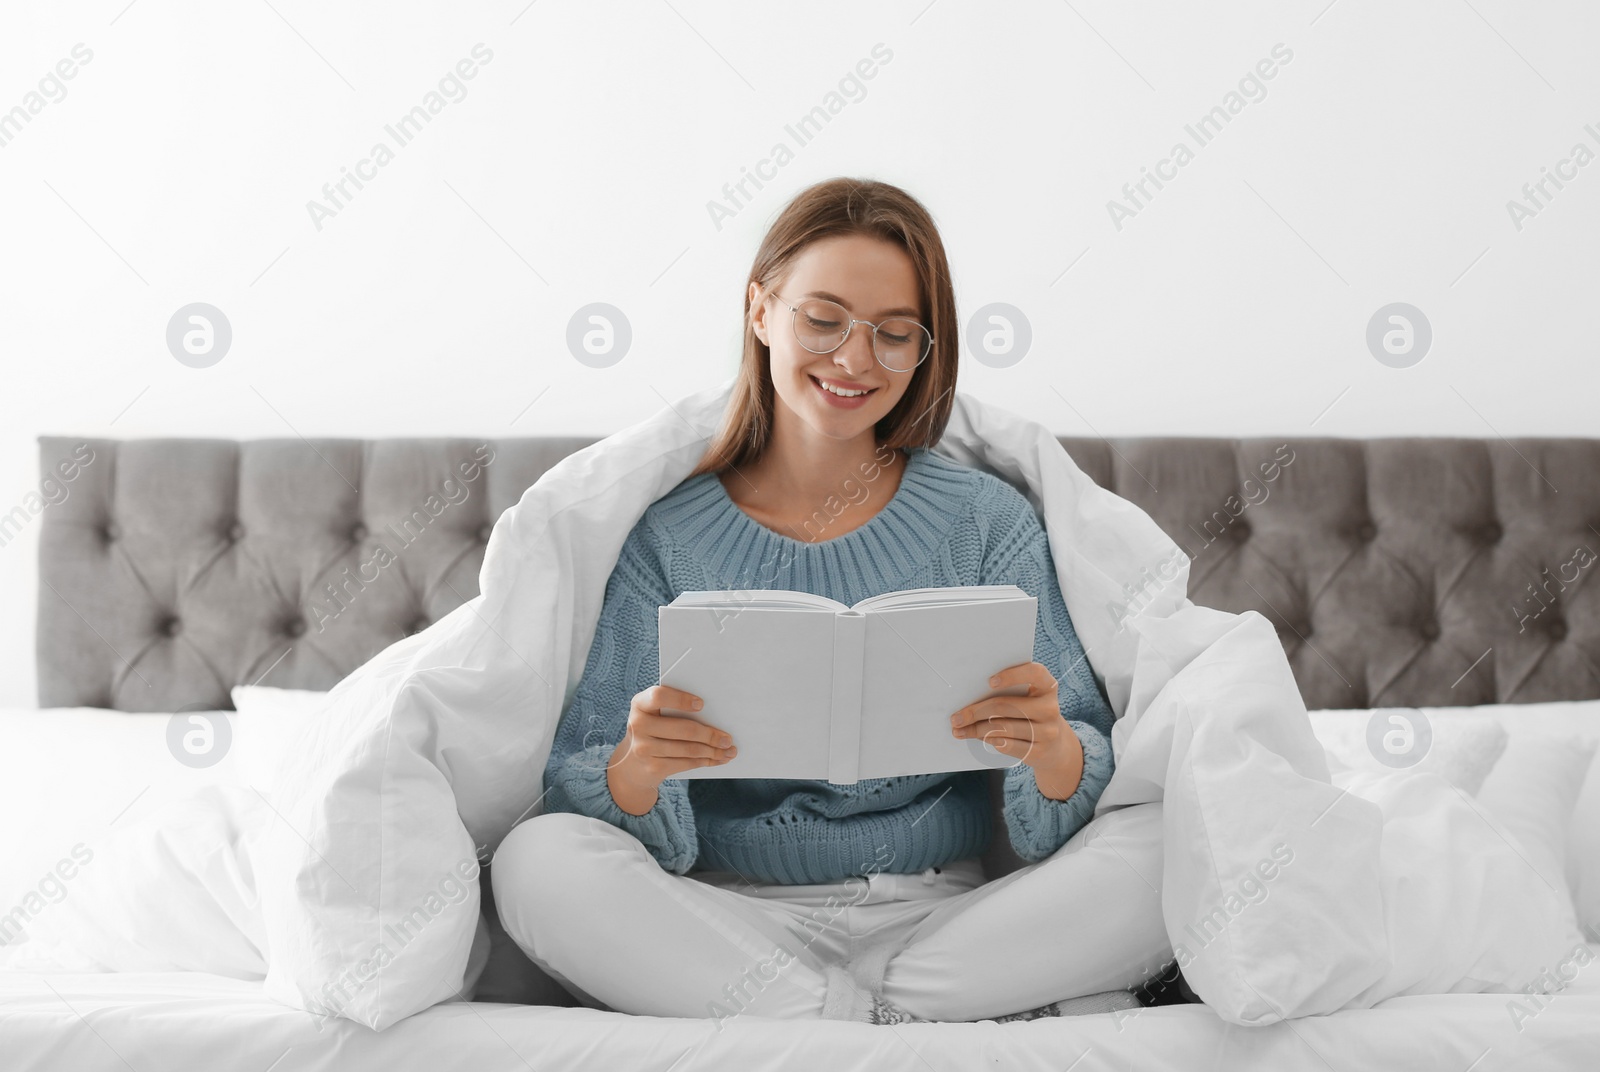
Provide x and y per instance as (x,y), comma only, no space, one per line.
(796,898)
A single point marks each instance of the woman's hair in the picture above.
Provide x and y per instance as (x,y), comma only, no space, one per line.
(842,207)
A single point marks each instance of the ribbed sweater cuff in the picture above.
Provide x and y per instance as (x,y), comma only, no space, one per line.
(667,829)
(1038,825)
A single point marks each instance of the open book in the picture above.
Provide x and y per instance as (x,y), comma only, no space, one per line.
(811,688)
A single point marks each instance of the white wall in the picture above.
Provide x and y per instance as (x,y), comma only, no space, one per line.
(578,168)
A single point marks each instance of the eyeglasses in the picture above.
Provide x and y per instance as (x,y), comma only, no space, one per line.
(822,326)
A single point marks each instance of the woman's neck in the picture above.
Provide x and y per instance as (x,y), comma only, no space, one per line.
(783,491)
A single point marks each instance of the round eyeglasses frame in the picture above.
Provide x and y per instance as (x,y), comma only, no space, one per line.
(794,313)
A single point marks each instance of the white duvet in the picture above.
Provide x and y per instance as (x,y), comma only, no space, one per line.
(1286,890)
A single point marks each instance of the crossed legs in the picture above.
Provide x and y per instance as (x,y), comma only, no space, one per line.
(588,904)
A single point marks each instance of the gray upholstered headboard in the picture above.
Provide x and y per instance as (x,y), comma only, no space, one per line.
(1399,572)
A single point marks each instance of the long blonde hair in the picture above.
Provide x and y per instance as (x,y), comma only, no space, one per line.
(839,207)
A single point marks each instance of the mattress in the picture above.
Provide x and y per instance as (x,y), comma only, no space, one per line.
(188,1020)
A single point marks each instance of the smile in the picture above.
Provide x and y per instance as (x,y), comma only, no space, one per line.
(847,398)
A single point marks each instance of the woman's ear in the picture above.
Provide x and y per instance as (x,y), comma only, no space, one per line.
(758,313)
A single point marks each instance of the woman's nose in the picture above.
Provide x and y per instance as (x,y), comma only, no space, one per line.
(855,355)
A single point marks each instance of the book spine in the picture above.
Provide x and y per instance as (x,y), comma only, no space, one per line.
(844,733)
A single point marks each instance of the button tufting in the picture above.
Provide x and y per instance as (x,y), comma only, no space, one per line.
(171,627)
(1492,533)
(358,532)
(1558,630)
(236,532)
(417,626)
(1305,629)
(112,531)
(483,533)
(1367,532)
(1430,630)
(1241,531)
(295,627)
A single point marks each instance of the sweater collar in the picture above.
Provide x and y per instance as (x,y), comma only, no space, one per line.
(899,539)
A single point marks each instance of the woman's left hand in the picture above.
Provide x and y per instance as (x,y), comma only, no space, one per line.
(1029,728)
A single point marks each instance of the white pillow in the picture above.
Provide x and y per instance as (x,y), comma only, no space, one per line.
(1528,806)
(268,723)
(1576,721)
(68,776)
(1533,791)
(1579,720)
(173,891)
(1459,746)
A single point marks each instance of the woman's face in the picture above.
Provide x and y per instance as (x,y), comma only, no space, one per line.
(874,280)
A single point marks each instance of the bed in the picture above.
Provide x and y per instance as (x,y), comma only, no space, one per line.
(1438,574)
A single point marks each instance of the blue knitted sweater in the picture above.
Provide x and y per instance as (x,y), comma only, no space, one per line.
(946,524)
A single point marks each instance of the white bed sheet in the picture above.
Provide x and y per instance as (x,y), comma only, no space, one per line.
(190,1021)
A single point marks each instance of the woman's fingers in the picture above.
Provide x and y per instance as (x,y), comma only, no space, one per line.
(1024,749)
(1035,675)
(649,720)
(1017,737)
(690,750)
(1026,708)
(681,728)
(656,697)
(992,729)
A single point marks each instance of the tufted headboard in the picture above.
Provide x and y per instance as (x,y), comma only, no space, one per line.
(1399,572)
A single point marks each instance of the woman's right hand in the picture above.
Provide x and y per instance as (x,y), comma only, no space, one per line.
(657,746)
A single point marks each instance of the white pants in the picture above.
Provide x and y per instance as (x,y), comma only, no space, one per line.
(588,903)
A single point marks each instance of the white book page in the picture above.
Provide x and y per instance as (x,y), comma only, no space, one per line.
(745,597)
(925,663)
(968,593)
